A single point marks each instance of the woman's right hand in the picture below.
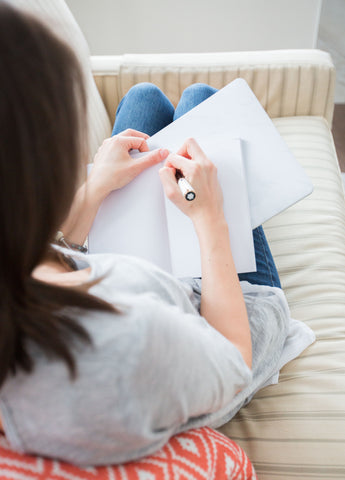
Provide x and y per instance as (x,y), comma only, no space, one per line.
(201,173)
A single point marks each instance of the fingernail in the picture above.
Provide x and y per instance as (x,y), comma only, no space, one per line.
(164,152)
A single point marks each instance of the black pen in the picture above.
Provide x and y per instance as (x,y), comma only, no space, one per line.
(185,187)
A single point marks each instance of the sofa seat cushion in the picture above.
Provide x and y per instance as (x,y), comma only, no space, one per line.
(296,429)
(198,454)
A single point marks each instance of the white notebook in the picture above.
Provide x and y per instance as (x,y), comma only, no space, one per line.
(139,220)
(275,179)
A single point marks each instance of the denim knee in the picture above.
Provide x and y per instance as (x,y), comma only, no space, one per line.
(145,90)
(144,108)
(199,89)
(191,97)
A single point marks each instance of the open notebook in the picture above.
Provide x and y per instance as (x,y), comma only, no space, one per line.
(137,220)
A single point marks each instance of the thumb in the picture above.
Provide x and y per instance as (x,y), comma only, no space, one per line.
(168,179)
(156,156)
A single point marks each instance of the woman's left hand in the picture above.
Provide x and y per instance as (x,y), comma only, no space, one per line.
(114,167)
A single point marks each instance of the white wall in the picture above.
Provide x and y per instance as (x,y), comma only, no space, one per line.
(160,26)
(332,39)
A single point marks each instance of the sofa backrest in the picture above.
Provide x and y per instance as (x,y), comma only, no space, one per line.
(286,82)
(60,20)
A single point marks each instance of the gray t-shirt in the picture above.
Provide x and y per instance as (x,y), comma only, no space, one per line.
(154,370)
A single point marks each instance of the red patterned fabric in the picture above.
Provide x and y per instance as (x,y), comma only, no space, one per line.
(201,454)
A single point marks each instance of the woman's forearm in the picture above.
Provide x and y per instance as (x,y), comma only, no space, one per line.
(83,211)
(222,302)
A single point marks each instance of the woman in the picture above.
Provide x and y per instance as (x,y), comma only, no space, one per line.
(104,357)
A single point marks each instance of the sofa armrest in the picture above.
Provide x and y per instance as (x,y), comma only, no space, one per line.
(106,73)
(287,82)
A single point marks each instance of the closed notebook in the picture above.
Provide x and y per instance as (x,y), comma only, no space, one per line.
(275,180)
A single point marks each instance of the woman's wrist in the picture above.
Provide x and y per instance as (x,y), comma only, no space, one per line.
(208,222)
(95,191)
(83,211)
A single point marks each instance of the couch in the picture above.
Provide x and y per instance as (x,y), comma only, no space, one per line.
(295,429)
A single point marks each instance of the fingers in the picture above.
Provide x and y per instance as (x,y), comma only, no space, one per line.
(178,162)
(152,158)
(126,141)
(168,179)
(191,149)
(130,132)
(130,143)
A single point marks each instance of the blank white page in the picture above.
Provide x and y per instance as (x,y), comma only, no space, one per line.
(184,245)
(132,221)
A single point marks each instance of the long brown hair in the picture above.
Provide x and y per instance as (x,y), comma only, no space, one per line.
(42,142)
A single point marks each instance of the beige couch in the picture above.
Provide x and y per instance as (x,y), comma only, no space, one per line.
(295,429)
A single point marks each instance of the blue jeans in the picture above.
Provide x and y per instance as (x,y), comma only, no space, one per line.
(147,109)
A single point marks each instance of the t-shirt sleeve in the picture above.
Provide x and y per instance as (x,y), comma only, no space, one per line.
(188,370)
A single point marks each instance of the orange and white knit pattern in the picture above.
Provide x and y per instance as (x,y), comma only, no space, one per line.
(201,454)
